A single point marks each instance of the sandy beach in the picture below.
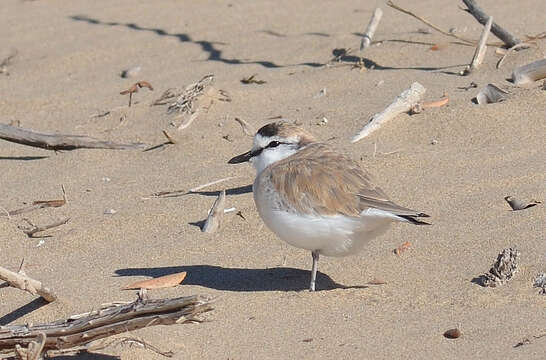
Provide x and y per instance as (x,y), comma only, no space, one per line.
(456,162)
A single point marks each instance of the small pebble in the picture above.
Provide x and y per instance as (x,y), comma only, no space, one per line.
(452,333)
(109,212)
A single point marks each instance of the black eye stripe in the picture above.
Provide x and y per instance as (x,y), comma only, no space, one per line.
(273,144)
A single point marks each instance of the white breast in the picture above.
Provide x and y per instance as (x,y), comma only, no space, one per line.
(337,235)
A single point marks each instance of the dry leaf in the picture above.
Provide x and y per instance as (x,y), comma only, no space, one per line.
(405,246)
(158,283)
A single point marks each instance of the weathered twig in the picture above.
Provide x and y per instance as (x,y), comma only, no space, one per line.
(481,48)
(77,333)
(216,213)
(33,229)
(50,141)
(447,33)
(403,103)
(370,30)
(21,281)
(528,74)
(480,15)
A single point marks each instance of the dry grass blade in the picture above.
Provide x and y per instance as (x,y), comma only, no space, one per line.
(247,128)
(423,20)
(509,51)
(159,282)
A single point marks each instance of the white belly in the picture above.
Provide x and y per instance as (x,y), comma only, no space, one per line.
(336,235)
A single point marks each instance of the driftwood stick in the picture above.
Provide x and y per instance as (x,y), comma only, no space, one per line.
(403,103)
(215,215)
(23,282)
(50,141)
(33,229)
(370,30)
(79,331)
(480,15)
(481,48)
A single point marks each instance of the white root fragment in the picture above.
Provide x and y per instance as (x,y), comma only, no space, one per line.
(197,188)
(481,48)
(491,94)
(23,282)
(505,53)
(403,103)
(370,30)
(215,215)
(528,74)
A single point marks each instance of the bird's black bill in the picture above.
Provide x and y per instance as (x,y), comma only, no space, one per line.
(241,158)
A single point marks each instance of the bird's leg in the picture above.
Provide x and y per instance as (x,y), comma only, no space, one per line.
(315,255)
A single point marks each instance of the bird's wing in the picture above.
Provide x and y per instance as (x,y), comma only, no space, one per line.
(319,180)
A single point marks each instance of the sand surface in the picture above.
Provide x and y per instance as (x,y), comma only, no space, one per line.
(455,163)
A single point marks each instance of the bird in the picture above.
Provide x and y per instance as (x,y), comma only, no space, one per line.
(314,197)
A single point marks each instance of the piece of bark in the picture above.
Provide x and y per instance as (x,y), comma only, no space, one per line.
(403,103)
(503,269)
(216,213)
(50,141)
(370,30)
(166,281)
(23,282)
(82,330)
(528,74)
(481,48)
(480,15)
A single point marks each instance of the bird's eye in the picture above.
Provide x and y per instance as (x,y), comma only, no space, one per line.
(273,144)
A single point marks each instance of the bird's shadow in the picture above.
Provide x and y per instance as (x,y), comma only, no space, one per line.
(241,279)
